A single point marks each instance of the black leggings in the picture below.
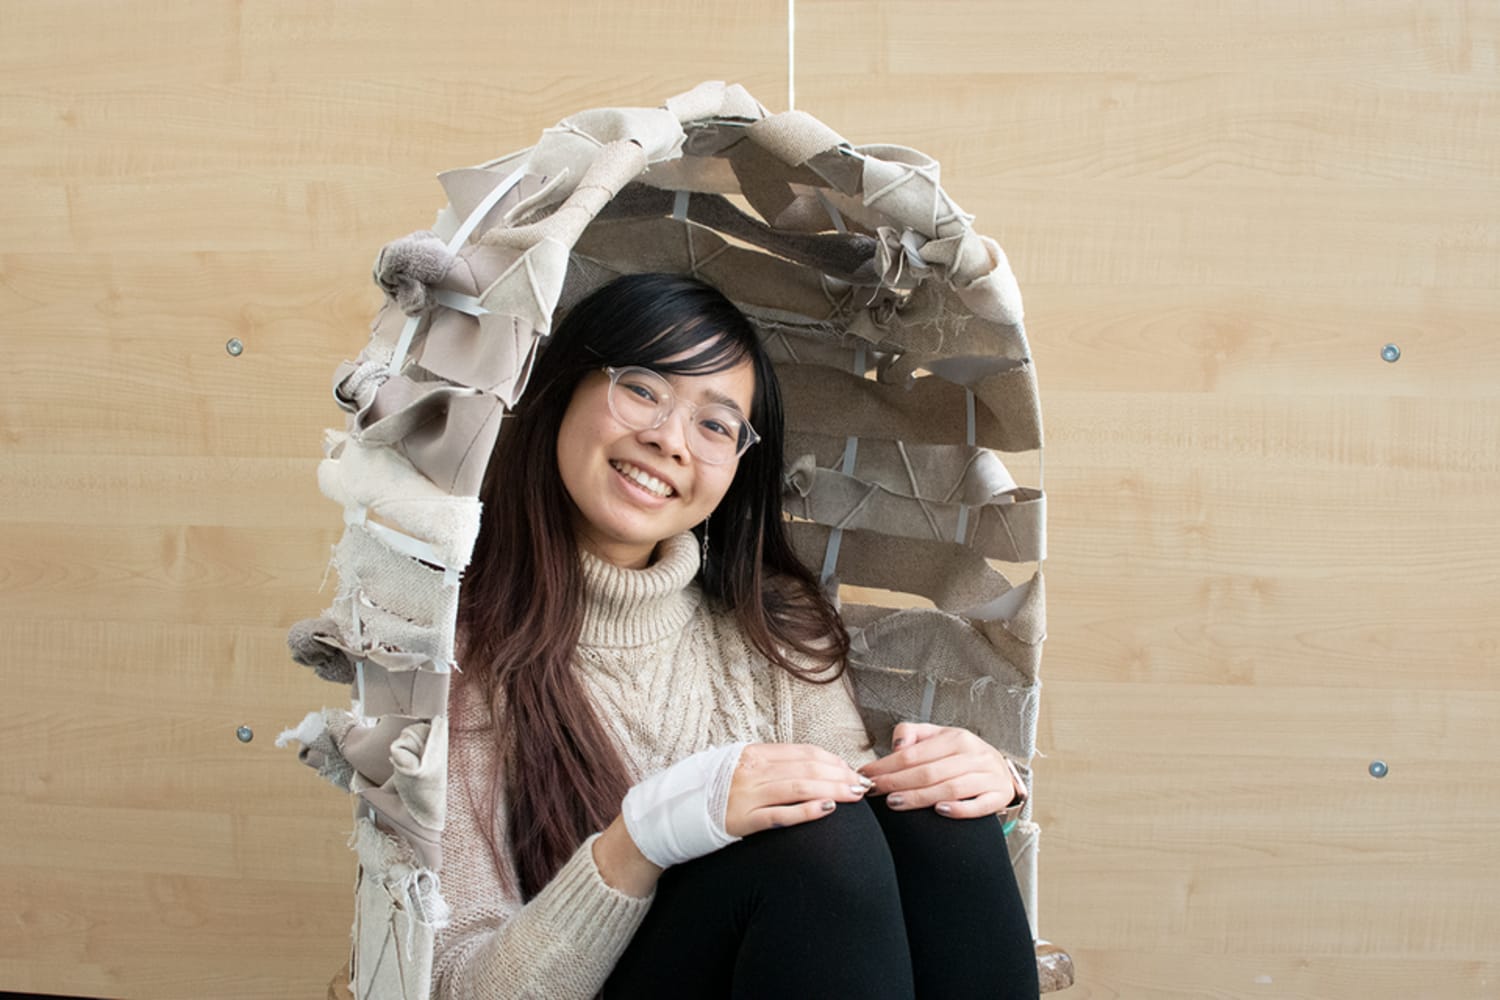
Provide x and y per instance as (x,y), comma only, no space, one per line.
(865,903)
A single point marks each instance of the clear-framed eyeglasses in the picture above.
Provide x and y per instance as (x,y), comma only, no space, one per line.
(643,400)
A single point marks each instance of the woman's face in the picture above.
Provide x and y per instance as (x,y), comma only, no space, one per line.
(631,489)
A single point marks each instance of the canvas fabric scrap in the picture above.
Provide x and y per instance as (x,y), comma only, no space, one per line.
(897,333)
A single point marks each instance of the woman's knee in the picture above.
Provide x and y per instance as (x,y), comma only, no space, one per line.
(970,847)
(840,856)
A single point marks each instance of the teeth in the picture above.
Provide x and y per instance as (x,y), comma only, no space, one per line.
(644,478)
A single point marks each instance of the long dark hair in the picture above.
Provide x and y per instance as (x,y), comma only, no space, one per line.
(520,613)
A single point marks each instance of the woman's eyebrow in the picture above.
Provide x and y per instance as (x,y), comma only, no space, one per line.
(714,396)
(710,395)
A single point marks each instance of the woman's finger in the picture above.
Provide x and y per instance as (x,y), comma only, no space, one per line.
(941,765)
(779,767)
(798,777)
(769,753)
(964,786)
(791,791)
(936,743)
(908,733)
(776,817)
(981,805)
(922,775)
(926,775)
(839,775)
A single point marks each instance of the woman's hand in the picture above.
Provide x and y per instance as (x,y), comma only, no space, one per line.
(711,798)
(949,769)
(783,784)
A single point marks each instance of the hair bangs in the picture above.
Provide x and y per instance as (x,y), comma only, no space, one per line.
(695,347)
(690,330)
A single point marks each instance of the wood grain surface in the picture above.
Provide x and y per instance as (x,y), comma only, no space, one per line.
(175,175)
(1274,556)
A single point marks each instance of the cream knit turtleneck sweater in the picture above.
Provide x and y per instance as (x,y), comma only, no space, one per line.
(669,677)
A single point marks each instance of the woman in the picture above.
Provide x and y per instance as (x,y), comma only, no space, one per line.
(657,775)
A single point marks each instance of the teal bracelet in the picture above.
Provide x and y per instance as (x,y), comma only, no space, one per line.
(1006,828)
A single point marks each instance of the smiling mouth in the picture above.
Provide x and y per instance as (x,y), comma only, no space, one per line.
(643,479)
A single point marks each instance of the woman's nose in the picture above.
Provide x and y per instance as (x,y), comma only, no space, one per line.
(671,435)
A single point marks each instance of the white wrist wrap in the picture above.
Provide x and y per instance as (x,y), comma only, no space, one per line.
(677,815)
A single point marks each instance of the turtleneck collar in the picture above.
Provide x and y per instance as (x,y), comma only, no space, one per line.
(632,607)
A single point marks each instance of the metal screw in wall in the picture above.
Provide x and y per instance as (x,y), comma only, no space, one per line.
(235,347)
(1391,353)
(244,734)
(1378,769)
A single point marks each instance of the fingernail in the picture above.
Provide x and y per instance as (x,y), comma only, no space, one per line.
(944,808)
(866,782)
(894,800)
(858,789)
(828,806)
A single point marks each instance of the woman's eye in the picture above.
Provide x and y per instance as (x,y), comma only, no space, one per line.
(718,428)
(642,391)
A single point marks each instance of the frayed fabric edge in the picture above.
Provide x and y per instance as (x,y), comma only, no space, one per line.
(394,866)
(310,728)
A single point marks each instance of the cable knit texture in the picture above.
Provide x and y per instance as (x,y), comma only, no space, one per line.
(668,676)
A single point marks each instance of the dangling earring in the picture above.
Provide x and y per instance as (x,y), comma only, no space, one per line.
(705,541)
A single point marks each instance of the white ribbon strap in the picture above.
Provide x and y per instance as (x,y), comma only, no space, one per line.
(833,213)
(409,331)
(969,438)
(851,458)
(413,548)
(463,303)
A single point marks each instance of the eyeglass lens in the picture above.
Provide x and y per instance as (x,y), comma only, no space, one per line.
(641,399)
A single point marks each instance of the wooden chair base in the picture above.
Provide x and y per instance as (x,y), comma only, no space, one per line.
(1054,967)
(339,988)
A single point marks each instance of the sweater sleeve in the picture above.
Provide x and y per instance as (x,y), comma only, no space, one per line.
(825,715)
(563,943)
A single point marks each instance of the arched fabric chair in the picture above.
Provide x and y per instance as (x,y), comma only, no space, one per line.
(897,333)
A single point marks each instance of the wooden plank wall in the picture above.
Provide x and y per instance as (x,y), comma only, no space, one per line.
(175,175)
(1274,555)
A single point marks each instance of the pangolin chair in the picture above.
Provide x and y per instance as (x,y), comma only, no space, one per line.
(897,333)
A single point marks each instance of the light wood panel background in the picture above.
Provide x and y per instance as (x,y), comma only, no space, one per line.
(174,175)
(1274,556)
